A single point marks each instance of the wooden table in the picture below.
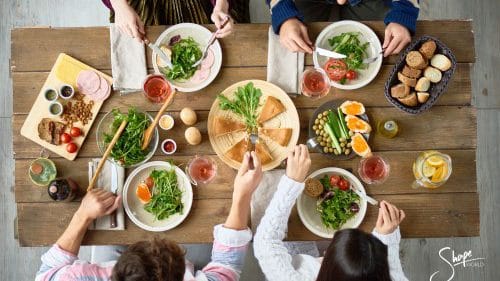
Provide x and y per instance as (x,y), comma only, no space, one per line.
(450,126)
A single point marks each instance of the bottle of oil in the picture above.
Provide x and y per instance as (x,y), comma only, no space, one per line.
(388,128)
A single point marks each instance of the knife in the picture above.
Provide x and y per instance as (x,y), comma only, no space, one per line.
(159,52)
(114,188)
(327,53)
(370,200)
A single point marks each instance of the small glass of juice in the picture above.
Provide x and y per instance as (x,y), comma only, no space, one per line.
(156,88)
(314,83)
(374,169)
(201,169)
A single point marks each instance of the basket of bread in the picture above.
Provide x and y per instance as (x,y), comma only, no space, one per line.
(420,75)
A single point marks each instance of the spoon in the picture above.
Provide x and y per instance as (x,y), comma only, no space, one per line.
(148,134)
(210,42)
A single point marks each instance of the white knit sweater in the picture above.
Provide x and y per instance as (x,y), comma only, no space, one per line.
(274,259)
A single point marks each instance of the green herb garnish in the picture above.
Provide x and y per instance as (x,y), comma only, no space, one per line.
(348,44)
(336,209)
(127,150)
(184,54)
(167,197)
(245,103)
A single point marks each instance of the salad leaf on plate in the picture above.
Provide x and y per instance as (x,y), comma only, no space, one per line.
(348,44)
(167,196)
(185,53)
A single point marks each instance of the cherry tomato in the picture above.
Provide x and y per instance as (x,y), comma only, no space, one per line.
(75,132)
(65,138)
(336,69)
(71,147)
(351,75)
(149,182)
(343,184)
(334,180)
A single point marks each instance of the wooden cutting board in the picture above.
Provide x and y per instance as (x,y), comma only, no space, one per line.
(64,71)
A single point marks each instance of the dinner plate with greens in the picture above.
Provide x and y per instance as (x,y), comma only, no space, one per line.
(127,151)
(329,202)
(358,42)
(184,44)
(157,196)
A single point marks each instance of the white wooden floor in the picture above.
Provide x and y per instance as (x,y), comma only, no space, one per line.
(420,256)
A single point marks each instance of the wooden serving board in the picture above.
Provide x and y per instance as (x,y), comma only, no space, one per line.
(287,119)
(64,71)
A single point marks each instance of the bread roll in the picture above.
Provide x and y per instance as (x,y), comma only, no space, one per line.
(400,91)
(411,72)
(407,80)
(410,100)
(313,187)
(416,60)
(427,49)
(441,62)
(422,97)
(423,84)
(433,74)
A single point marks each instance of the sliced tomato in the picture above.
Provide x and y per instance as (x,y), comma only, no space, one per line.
(351,75)
(336,69)
(343,184)
(334,180)
(65,138)
(149,182)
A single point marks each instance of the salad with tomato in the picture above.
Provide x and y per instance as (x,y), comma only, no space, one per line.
(338,202)
(348,44)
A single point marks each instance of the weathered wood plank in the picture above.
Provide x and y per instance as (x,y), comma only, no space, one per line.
(40,224)
(27,85)
(443,127)
(246,46)
(427,215)
(463,178)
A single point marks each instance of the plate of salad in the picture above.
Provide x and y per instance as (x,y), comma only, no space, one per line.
(358,42)
(127,151)
(329,203)
(184,44)
(157,196)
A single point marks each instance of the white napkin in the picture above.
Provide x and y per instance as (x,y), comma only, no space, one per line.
(104,182)
(283,67)
(128,61)
(261,199)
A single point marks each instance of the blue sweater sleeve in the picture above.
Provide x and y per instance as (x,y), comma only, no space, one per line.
(281,11)
(403,12)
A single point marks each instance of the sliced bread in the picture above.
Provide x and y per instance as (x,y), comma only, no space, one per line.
(441,62)
(422,97)
(400,91)
(410,100)
(428,48)
(433,74)
(411,72)
(416,60)
(407,80)
(423,84)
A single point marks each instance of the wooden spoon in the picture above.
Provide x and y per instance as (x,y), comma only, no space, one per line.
(106,154)
(148,134)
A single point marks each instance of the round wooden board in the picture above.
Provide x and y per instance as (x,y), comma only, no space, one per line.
(287,119)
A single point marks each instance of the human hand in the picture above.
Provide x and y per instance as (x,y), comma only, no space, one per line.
(128,21)
(219,15)
(341,2)
(293,35)
(389,218)
(396,38)
(97,203)
(298,163)
(247,179)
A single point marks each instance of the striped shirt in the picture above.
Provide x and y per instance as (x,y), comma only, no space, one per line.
(228,256)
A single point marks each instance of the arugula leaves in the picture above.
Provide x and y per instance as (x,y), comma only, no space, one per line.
(348,44)
(184,54)
(244,104)
(167,197)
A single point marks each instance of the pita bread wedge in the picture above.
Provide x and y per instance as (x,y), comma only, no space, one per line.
(280,135)
(271,108)
(237,151)
(263,153)
(224,125)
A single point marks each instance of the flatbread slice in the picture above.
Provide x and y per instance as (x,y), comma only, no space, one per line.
(237,151)
(280,135)
(263,153)
(271,108)
(225,125)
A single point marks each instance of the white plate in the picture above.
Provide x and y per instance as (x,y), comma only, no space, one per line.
(135,209)
(311,218)
(365,76)
(201,35)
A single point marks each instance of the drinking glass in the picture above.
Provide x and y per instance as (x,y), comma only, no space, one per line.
(431,169)
(373,169)
(201,170)
(314,83)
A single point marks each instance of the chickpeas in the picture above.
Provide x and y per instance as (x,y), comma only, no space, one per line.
(316,121)
(342,144)
(315,127)
(317,132)
(320,127)
(325,149)
(322,143)
(322,122)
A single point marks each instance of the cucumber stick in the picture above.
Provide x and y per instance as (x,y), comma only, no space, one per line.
(334,124)
(343,125)
(330,132)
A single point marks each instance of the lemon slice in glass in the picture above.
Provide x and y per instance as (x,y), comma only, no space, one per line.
(428,170)
(435,161)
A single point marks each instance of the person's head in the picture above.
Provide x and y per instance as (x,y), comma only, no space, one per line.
(156,260)
(354,255)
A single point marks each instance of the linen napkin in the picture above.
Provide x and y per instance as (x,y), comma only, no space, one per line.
(128,61)
(104,182)
(261,199)
(283,67)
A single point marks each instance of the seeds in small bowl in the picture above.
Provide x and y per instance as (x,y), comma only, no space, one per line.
(166,122)
(50,94)
(56,108)
(66,91)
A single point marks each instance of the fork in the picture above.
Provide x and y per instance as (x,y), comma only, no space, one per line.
(210,42)
(374,58)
